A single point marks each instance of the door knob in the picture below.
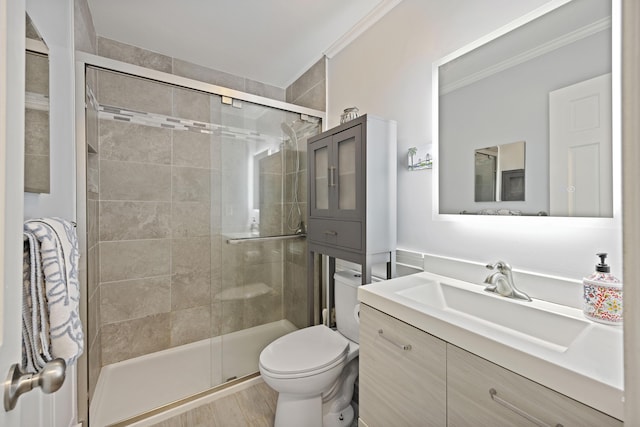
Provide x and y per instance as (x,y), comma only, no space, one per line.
(50,379)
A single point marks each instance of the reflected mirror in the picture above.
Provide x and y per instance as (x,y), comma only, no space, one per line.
(499,173)
(36,159)
(547,82)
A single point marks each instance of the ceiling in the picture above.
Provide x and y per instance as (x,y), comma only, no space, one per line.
(270,41)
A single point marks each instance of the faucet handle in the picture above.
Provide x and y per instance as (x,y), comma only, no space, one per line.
(500,265)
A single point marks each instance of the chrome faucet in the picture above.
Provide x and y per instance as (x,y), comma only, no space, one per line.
(501,282)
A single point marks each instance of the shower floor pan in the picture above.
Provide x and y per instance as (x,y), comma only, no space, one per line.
(135,386)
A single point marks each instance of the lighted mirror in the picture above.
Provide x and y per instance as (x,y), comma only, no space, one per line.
(548,82)
(36,120)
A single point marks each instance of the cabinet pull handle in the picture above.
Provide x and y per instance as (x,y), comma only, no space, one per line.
(494,396)
(330,232)
(332,176)
(400,346)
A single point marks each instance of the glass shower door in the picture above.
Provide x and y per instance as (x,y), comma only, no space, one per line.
(262,182)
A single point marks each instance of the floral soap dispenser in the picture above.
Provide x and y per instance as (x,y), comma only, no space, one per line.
(603,295)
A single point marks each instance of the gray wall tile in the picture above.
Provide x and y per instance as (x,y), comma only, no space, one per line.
(132,142)
(37,73)
(208,75)
(36,174)
(132,338)
(133,55)
(263,89)
(190,219)
(191,149)
(192,105)
(191,272)
(134,220)
(133,299)
(134,181)
(191,184)
(314,98)
(119,90)
(134,259)
(36,132)
(314,75)
(83,29)
(190,325)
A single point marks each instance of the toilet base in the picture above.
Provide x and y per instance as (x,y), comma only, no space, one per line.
(343,418)
(294,411)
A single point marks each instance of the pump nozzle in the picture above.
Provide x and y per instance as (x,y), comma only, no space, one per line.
(602,267)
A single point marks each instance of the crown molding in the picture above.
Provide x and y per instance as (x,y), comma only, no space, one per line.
(364,24)
(537,51)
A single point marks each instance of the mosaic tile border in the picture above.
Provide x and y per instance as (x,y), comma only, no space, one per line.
(108,112)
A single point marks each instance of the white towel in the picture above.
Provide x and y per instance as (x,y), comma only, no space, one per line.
(59,255)
(35,321)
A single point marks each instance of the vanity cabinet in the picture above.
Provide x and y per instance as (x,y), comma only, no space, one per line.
(480,392)
(400,386)
(352,175)
(438,384)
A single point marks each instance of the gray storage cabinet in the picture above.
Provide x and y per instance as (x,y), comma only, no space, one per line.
(352,179)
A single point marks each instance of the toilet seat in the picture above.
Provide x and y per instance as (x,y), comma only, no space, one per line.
(305,352)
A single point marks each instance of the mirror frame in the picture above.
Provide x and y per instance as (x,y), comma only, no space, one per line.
(616,123)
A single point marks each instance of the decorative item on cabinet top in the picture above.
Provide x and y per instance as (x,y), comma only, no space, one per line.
(349,114)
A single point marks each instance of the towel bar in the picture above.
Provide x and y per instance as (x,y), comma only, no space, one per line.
(264,239)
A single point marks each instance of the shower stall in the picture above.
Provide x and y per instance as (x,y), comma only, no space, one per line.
(195,251)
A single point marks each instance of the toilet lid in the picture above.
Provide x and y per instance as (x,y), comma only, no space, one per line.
(304,350)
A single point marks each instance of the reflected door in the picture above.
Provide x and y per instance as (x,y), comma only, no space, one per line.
(580,149)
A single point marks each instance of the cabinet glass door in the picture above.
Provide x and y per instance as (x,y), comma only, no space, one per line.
(321,176)
(347,146)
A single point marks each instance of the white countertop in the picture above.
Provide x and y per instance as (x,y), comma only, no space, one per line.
(589,370)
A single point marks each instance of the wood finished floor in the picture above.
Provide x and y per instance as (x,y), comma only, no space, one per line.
(252,407)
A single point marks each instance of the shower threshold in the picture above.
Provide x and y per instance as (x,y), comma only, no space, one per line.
(142,384)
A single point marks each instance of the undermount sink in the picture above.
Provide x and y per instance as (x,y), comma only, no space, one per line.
(519,317)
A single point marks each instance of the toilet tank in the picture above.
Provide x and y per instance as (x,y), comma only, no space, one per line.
(347,307)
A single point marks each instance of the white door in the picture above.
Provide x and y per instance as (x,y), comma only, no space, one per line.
(580,170)
(11,193)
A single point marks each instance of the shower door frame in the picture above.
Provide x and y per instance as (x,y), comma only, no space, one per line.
(83,60)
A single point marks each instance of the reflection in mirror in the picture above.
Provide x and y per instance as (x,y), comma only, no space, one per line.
(36,161)
(500,173)
(534,84)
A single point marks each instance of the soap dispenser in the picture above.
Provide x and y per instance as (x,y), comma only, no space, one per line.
(603,295)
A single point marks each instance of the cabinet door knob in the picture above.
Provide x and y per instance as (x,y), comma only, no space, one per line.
(330,232)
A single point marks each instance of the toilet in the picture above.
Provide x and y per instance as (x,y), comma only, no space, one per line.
(314,369)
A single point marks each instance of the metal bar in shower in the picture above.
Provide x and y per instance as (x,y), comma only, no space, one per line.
(264,239)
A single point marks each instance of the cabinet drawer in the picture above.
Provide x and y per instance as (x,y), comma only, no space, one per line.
(400,387)
(347,234)
(470,403)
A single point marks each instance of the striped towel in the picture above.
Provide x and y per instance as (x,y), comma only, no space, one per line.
(35,321)
(56,329)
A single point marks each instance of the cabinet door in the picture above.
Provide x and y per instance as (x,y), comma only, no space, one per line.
(516,401)
(400,387)
(320,173)
(347,190)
